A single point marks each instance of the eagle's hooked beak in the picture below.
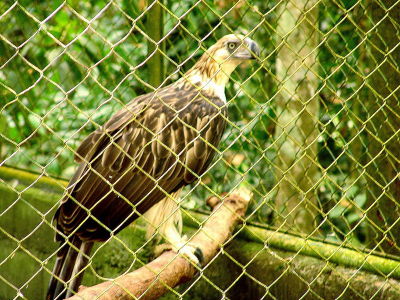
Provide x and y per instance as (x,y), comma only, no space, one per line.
(255,49)
(250,50)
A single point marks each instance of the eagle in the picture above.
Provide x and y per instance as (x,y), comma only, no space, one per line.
(137,162)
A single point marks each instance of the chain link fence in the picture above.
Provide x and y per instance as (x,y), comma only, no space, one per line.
(313,132)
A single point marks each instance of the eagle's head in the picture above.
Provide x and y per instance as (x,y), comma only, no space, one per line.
(233,48)
(220,60)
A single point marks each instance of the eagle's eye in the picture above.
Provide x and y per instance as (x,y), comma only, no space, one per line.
(231,46)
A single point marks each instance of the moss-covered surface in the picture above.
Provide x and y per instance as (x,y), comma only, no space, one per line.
(286,275)
(247,270)
(39,181)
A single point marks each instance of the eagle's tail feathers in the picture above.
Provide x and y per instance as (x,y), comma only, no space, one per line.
(79,268)
(68,269)
(61,255)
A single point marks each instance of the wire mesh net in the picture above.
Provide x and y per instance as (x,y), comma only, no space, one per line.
(312,130)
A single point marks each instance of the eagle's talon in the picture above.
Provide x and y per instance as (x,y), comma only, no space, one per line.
(200,256)
(193,254)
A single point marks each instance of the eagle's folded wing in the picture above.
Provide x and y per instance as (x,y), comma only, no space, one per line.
(151,148)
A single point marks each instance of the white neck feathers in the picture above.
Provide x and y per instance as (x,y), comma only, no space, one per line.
(207,84)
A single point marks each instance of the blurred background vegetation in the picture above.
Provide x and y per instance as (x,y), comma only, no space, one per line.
(67,78)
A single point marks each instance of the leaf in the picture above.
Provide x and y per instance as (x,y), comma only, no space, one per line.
(360,199)
(337,211)
(353,217)
(352,191)
(34,120)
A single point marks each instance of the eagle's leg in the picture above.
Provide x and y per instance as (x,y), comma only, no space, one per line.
(181,245)
(165,218)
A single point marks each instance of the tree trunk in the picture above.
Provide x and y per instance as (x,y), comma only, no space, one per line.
(154,26)
(383,126)
(297,117)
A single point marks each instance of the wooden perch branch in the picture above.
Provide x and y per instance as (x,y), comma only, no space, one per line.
(169,270)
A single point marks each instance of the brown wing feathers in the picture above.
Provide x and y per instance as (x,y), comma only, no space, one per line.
(158,138)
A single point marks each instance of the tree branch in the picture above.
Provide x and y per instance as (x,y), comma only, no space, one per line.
(169,270)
